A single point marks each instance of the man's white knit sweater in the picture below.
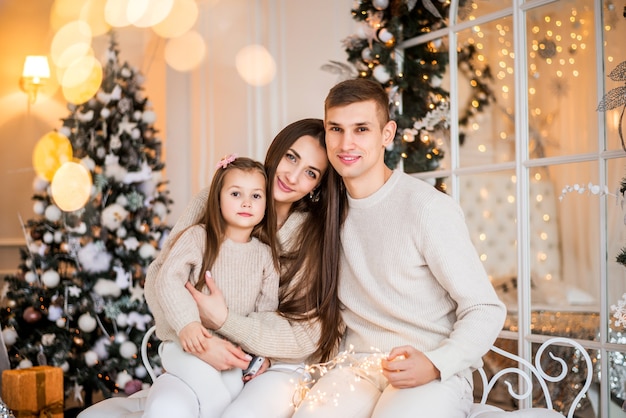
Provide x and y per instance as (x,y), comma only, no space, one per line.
(411,276)
(244,272)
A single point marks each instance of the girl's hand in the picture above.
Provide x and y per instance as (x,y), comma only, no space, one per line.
(194,338)
(213,309)
(224,355)
(407,367)
(266,365)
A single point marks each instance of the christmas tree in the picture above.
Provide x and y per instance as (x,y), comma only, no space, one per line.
(76,301)
(419,103)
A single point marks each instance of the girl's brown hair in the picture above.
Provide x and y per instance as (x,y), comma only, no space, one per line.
(315,260)
(214,221)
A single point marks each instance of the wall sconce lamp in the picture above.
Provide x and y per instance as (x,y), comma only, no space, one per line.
(35,74)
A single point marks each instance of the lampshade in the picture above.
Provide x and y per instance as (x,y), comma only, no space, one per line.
(34,75)
(36,67)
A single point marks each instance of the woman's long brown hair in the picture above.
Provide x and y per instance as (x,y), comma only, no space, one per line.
(314,262)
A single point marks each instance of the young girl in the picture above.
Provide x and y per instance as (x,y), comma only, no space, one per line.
(231,242)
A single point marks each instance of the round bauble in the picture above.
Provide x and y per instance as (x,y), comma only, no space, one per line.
(50,279)
(25,364)
(31,315)
(61,322)
(122,378)
(91,358)
(121,338)
(141,372)
(53,213)
(39,207)
(30,277)
(380,4)
(9,335)
(87,323)
(128,349)
(381,74)
(48,237)
(65,367)
(122,320)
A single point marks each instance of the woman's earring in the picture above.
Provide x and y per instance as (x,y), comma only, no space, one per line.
(314,195)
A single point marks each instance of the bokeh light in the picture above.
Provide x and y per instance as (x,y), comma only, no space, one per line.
(115,13)
(186,52)
(92,12)
(145,13)
(51,151)
(71,186)
(255,65)
(181,19)
(70,42)
(89,71)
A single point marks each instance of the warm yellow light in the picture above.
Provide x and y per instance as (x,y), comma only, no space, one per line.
(35,73)
(71,186)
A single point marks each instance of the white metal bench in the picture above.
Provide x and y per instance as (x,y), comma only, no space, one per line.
(520,381)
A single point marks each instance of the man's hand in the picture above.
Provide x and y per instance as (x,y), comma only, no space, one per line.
(213,309)
(224,355)
(193,337)
(406,367)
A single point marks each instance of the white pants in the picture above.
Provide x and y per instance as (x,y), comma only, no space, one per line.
(214,389)
(343,393)
(268,395)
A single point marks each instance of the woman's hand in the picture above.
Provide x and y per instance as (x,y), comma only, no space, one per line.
(407,367)
(212,307)
(193,337)
(224,355)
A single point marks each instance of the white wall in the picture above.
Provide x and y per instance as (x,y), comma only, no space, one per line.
(212,111)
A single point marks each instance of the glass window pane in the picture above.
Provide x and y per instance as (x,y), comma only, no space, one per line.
(488,201)
(486,94)
(567,256)
(562,79)
(471,9)
(614,35)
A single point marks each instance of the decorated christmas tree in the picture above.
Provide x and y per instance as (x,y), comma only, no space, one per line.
(420,103)
(76,301)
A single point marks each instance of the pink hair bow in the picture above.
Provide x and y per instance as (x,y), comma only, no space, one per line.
(226,160)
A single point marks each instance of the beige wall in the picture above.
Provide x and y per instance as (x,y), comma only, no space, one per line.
(201,115)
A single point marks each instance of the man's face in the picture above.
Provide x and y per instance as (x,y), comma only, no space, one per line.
(355,140)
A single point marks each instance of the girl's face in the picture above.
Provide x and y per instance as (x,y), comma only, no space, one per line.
(242,200)
(300,170)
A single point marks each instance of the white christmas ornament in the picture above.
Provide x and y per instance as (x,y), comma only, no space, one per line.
(58,236)
(30,277)
(50,279)
(53,213)
(55,313)
(40,184)
(48,237)
(128,349)
(123,377)
(147,251)
(137,115)
(380,4)
(61,322)
(87,323)
(384,35)
(9,335)
(149,117)
(101,347)
(91,358)
(121,338)
(367,54)
(25,364)
(65,367)
(105,112)
(122,320)
(39,207)
(381,74)
(94,257)
(121,232)
(112,216)
(106,287)
(141,372)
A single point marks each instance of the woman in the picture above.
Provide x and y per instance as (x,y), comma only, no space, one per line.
(308,196)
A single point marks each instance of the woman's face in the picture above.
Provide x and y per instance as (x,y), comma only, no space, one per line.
(300,170)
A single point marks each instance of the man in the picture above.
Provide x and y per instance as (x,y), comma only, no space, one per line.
(411,283)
